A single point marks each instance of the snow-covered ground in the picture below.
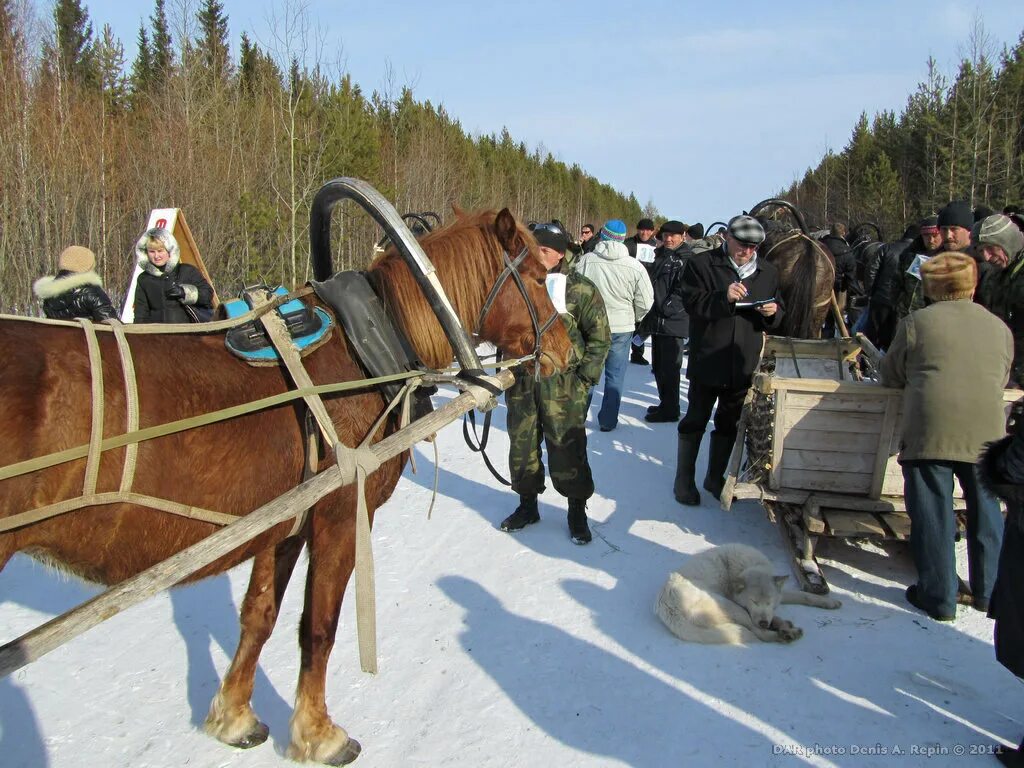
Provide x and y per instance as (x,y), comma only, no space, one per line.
(525,650)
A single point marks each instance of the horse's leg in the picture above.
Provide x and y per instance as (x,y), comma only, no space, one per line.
(231,718)
(331,559)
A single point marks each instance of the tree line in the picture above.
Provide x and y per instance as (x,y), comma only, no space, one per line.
(90,143)
(956,139)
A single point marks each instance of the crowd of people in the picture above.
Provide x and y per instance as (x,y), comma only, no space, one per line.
(945,302)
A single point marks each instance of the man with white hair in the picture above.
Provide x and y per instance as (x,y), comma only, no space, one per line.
(731,297)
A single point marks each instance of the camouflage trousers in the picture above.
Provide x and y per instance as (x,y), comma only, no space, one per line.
(555,410)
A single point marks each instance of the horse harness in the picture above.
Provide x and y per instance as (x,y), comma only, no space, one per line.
(511,269)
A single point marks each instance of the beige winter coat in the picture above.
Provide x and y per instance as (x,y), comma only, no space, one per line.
(953,358)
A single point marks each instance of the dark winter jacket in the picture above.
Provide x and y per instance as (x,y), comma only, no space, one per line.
(885,286)
(726,340)
(668,315)
(865,257)
(910,293)
(74,294)
(1002,471)
(1002,294)
(152,305)
(846,265)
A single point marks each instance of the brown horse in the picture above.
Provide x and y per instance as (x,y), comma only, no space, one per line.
(807,274)
(238,465)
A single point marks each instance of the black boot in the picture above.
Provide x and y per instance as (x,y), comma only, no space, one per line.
(526,514)
(579,531)
(686,460)
(718,458)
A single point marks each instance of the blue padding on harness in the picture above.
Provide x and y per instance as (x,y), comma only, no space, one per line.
(267,353)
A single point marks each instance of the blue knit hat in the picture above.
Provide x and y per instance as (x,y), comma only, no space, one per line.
(614,229)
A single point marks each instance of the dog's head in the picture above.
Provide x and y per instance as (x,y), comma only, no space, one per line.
(758,591)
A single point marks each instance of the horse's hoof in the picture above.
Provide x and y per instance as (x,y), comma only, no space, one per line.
(346,754)
(253,738)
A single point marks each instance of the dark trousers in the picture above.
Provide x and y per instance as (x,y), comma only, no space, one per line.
(928,488)
(701,401)
(667,362)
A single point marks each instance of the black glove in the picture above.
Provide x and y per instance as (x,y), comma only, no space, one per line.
(174,292)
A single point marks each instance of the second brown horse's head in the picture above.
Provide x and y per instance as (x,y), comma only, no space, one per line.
(508,323)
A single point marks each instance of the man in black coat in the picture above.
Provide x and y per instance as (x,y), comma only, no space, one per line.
(885,288)
(641,246)
(731,296)
(667,321)
(1002,471)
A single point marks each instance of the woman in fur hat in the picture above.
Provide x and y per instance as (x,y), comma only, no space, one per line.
(169,291)
(76,290)
(952,358)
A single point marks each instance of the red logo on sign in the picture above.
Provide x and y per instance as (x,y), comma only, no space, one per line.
(161,223)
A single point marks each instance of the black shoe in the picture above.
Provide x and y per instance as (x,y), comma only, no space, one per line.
(913,599)
(607,429)
(964,595)
(526,514)
(579,531)
(653,408)
(660,416)
(638,360)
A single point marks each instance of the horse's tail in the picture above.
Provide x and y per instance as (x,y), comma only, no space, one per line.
(798,321)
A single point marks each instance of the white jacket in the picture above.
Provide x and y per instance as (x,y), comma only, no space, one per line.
(623,283)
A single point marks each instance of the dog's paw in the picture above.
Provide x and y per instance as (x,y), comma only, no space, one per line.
(787,633)
(830,603)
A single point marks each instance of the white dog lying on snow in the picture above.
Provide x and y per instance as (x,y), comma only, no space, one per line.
(729,594)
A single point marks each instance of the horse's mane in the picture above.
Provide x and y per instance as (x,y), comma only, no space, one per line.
(467,255)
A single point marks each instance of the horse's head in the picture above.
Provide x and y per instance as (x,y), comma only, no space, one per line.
(520,308)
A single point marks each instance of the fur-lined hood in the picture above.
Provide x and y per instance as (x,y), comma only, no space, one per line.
(172,249)
(48,287)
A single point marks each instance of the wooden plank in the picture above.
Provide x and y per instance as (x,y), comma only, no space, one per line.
(885,435)
(807,368)
(855,524)
(783,346)
(835,422)
(816,440)
(833,500)
(827,461)
(834,401)
(826,385)
(163,575)
(835,482)
(898,524)
(778,439)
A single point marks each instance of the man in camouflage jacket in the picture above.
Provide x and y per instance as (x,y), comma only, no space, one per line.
(555,409)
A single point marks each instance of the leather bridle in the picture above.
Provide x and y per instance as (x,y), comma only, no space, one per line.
(511,269)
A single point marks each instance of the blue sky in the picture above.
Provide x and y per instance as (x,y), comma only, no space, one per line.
(704,108)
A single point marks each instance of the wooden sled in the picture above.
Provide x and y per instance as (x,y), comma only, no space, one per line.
(817,446)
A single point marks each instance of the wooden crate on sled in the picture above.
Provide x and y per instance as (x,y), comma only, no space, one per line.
(818,445)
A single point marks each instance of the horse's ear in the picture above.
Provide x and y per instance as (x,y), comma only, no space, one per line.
(505,228)
(458,211)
